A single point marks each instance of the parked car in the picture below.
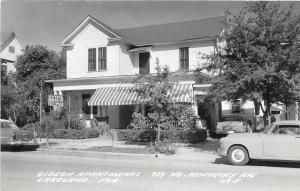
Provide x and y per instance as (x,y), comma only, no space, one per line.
(13,137)
(279,141)
(232,123)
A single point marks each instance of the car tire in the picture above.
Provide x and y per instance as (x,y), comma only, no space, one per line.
(238,155)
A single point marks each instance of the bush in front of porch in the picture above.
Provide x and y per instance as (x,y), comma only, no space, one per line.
(149,135)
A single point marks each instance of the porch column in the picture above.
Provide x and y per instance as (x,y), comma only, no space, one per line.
(195,108)
(91,115)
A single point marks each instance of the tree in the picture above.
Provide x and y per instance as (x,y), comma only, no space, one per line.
(33,67)
(153,90)
(260,59)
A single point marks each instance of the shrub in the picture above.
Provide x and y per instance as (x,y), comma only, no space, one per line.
(75,133)
(183,116)
(68,134)
(138,121)
(165,147)
(75,123)
(92,133)
(129,135)
(175,136)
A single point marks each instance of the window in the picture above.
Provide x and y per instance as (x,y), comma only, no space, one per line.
(102,58)
(92,59)
(286,129)
(11,49)
(184,58)
(236,106)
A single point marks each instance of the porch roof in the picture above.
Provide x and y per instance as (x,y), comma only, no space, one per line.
(127,96)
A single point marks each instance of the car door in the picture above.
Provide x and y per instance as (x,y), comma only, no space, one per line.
(283,142)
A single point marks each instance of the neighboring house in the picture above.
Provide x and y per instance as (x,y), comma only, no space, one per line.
(10,49)
(102,62)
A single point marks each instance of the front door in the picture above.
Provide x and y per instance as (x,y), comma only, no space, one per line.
(144,62)
(283,142)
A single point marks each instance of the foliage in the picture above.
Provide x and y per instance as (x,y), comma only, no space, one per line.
(154,90)
(166,147)
(92,132)
(131,136)
(75,133)
(179,116)
(182,116)
(12,106)
(33,67)
(260,59)
(175,136)
(139,121)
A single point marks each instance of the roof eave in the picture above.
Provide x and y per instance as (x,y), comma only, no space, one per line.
(79,27)
(180,41)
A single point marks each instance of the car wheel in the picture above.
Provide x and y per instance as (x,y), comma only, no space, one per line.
(238,155)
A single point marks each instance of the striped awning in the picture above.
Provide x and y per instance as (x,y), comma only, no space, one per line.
(127,96)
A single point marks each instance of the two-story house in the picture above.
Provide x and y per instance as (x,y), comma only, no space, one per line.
(10,48)
(102,62)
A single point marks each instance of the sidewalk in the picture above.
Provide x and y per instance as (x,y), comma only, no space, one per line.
(201,151)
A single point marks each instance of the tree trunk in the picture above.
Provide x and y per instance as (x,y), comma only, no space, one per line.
(158,133)
(267,113)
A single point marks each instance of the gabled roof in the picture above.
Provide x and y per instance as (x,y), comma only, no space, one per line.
(6,38)
(174,32)
(96,23)
(156,34)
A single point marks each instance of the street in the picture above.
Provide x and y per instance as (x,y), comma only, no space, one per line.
(68,170)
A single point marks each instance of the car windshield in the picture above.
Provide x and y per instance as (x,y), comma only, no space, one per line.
(9,125)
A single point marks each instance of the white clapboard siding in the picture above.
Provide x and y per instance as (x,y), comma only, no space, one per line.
(77,57)
(126,61)
(169,55)
(5,54)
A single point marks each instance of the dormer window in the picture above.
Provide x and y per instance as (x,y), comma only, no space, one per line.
(97,64)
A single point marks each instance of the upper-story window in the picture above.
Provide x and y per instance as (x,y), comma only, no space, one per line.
(101,62)
(184,58)
(102,58)
(11,49)
(92,59)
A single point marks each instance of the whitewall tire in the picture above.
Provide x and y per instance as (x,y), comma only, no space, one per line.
(238,155)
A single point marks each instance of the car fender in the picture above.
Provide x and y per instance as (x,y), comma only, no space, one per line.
(252,143)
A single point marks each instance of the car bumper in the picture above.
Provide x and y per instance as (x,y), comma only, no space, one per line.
(221,152)
(20,144)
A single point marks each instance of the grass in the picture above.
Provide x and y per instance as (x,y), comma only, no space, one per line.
(119,150)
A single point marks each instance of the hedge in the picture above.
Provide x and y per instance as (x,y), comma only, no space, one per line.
(74,133)
(131,136)
(179,136)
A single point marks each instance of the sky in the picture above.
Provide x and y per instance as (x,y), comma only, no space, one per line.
(49,22)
